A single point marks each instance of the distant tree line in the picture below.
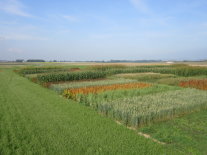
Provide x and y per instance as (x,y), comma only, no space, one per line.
(30,60)
(102,61)
(35,60)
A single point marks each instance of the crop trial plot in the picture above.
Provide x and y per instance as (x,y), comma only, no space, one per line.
(131,95)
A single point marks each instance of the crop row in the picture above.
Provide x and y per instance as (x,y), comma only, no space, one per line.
(99,73)
(62,86)
(72,93)
(198,84)
(94,99)
(146,77)
(71,76)
(109,67)
(180,71)
(35,70)
(143,110)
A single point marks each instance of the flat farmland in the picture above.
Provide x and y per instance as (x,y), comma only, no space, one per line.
(78,108)
(35,120)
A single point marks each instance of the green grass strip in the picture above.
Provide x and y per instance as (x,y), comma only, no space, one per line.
(188,134)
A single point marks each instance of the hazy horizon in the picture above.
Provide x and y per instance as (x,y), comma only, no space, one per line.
(103,30)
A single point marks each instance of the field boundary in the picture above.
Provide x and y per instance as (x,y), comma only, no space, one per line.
(142,134)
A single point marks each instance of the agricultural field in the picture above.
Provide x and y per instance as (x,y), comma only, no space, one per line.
(133,105)
(198,84)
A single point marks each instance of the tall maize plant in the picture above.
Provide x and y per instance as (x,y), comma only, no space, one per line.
(72,76)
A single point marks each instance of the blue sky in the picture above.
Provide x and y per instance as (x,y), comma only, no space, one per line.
(103,30)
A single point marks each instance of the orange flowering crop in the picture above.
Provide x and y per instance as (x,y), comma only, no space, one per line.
(199,84)
(71,93)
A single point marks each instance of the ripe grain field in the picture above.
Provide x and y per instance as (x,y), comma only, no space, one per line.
(35,120)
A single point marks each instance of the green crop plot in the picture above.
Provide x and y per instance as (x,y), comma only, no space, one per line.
(61,87)
(139,111)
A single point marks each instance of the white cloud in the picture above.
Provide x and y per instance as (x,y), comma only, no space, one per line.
(140,5)
(14,7)
(70,18)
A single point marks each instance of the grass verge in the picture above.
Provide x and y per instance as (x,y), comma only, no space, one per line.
(188,134)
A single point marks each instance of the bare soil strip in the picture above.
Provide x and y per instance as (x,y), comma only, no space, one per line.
(148,136)
(143,134)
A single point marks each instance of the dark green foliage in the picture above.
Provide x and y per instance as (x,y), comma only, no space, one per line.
(35,70)
(55,75)
(107,67)
(71,76)
(190,71)
(35,60)
(176,70)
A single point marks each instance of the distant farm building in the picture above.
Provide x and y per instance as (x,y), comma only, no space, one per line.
(169,62)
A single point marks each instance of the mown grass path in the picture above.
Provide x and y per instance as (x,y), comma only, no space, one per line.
(35,120)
